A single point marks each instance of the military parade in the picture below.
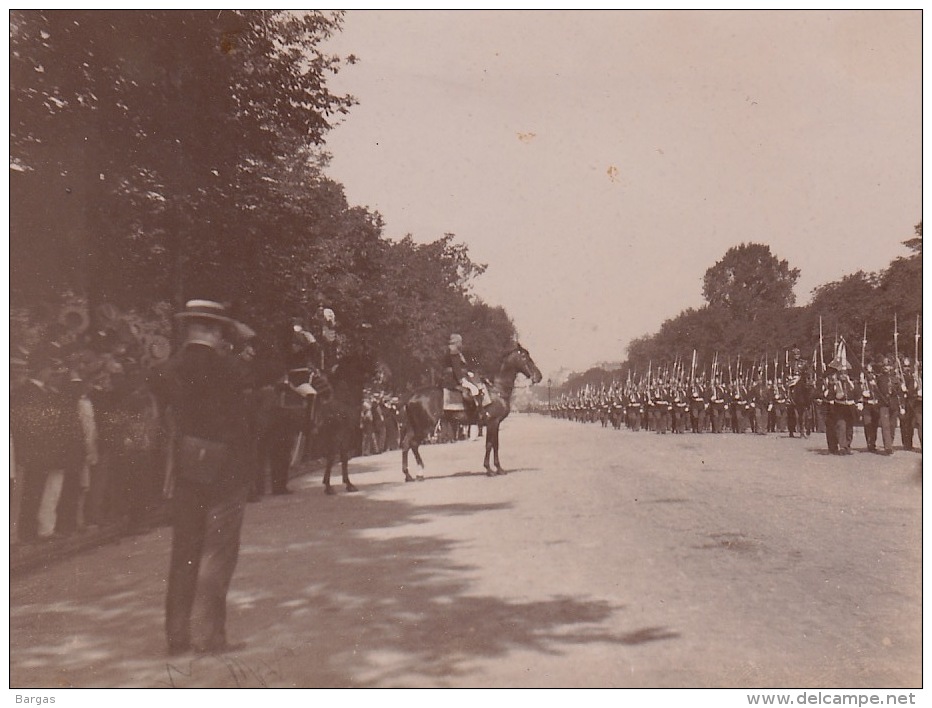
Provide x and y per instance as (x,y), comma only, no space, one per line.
(787,394)
(793,396)
(465,349)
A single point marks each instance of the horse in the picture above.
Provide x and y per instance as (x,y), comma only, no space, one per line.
(802,392)
(338,413)
(280,404)
(424,410)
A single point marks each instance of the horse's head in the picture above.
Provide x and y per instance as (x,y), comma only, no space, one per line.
(520,360)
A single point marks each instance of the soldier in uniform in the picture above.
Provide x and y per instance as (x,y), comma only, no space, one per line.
(698,407)
(888,403)
(870,409)
(781,406)
(761,403)
(740,407)
(908,391)
(457,375)
(839,395)
(633,410)
(680,404)
(718,405)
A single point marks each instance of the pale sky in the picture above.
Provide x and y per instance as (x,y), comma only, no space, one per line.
(600,161)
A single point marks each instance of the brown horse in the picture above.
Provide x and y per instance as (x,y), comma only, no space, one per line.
(424,409)
(802,394)
(338,415)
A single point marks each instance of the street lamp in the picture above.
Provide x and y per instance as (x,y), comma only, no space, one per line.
(549,408)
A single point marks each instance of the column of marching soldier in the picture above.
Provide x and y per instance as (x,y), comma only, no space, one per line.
(829,399)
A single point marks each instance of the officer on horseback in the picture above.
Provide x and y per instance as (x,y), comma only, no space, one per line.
(458,377)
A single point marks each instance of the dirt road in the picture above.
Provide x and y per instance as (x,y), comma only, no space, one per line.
(603,559)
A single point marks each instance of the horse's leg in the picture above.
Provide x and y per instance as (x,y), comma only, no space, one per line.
(407,444)
(495,439)
(491,433)
(327,488)
(344,464)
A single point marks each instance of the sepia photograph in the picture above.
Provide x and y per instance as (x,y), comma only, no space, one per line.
(466,349)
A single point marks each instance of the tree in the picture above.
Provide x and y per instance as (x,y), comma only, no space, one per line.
(915,243)
(750,280)
(161,123)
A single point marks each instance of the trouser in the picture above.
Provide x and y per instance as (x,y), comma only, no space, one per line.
(870,418)
(830,416)
(906,427)
(46,505)
(680,418)
(886,421)
(780,418)
(917,419)
(717,415)
(760,413)
(740,422)
(205,548)
(844,425)
(666,419)
(820,414)
(68,501)
(697,418)
(656,420)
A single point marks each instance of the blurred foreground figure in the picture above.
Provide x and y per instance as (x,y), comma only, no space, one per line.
(202,389)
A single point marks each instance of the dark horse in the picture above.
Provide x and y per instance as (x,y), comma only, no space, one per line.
(424,409)
(802,393)
(338,413)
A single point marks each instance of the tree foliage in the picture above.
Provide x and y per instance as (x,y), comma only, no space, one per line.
(163,155)
(733,326)
(750,280)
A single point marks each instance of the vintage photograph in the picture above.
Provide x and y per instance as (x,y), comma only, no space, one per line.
(434,349)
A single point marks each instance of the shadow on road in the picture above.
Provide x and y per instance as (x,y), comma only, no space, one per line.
(481,473)
(326,595)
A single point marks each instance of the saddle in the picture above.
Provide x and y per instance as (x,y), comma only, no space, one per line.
(453,398)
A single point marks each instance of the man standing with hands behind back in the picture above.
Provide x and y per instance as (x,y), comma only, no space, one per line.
(203,389)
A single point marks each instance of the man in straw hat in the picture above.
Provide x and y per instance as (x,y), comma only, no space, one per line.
(203,388)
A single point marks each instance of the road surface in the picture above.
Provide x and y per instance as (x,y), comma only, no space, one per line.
(603,559)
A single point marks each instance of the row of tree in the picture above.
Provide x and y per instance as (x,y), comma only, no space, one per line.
(158,156)
(750,313)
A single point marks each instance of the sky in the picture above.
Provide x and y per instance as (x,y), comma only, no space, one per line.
(599,162)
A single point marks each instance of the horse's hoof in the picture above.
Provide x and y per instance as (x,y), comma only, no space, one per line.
(409,478)
(420,478)
(351,488)
(500,471)
(329,490)
(489,473)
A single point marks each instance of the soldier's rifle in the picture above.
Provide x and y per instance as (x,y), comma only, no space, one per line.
(916,375)
(865,390)
(821,352)
(896,354)
(916,355)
